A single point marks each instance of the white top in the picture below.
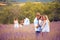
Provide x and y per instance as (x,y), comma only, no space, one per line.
(15,21)
(26,21)
(36,24)
(46,27)
(16,24)
(40,22)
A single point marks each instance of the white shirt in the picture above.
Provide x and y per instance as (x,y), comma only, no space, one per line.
(26,21)
(36,24)
(15,21)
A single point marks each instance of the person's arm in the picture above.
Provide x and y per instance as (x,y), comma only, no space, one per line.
(35,23)
(43,24)
(36,26)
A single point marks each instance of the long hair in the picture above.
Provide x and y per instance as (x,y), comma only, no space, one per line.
(47,18)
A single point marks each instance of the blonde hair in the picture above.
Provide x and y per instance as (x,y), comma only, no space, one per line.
(47,18)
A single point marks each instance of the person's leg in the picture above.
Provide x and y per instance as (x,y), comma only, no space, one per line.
(37,35)
(42,32)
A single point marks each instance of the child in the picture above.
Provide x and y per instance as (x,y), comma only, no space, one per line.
(16,24)
(26,21)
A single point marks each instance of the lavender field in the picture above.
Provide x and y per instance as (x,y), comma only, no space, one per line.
(8,32)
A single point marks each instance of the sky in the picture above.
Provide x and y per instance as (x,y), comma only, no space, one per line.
(32,0)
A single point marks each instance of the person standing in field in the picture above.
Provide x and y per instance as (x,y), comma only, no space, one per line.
(26,21)
(37,26)
(45,24)
(36,23)
(16,24)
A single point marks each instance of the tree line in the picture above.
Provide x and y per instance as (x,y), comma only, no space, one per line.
(11,11)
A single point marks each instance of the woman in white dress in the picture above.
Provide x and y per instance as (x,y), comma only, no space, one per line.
(16,24)
(45,24)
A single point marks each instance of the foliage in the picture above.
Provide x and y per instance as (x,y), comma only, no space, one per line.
(11,11)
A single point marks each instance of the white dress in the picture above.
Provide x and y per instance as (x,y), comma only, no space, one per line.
(46,27)
(16,24)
